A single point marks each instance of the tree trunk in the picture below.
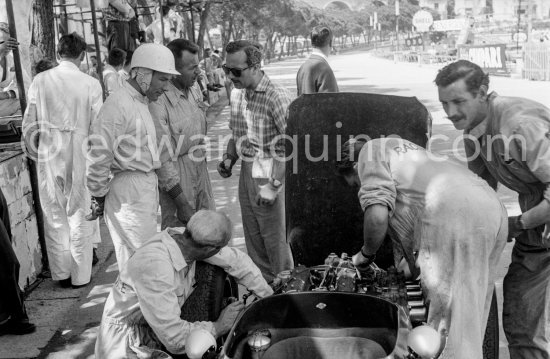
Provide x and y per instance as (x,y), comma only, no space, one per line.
(269,45)
(43,29)
(282,48)
(204,23)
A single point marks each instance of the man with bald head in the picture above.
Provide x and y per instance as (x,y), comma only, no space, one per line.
(142,313)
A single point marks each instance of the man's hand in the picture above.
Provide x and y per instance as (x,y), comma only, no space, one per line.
(226,165)
(8,45)
(515,226)
(224,169)
(97,206)
(361,262)
(267,195)
(228,317)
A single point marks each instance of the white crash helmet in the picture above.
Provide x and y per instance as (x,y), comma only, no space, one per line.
(198,343)
(424,341)
(155,57)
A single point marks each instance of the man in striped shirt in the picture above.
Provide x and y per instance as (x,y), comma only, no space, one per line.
(258,121)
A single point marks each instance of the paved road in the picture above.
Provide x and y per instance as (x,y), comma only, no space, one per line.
(67,319)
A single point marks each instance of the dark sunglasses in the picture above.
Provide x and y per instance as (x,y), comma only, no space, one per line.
(235,71)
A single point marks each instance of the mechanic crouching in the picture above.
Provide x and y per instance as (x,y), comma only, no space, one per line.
(443,220)
(141,318)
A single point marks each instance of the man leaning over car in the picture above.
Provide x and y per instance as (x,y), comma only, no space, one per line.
(141,318)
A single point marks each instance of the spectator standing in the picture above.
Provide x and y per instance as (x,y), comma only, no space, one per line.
(258,119)
(63,102)
(315,75)
(111,76)
(119,15)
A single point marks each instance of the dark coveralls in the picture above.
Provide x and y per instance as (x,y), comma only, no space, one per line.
(521,163)
(11,300)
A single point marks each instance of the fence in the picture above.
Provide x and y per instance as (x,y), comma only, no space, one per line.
(421,58)
(536,60)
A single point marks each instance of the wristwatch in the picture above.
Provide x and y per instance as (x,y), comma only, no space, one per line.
(369,257)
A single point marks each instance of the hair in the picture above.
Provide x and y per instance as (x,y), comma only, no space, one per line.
(472,74)
(44,65)
(93,57)
(129,55)
(209,228)
(252,50)
(179,45)
(350,154)
(321,36)
(116,57)
(71,46)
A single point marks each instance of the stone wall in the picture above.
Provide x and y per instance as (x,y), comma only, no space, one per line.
(16,186)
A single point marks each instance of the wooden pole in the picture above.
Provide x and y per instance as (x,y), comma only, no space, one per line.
(16,58)
(161,22)
(97,49)
(33,175)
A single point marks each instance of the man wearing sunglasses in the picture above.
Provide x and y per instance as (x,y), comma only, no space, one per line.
(258,120)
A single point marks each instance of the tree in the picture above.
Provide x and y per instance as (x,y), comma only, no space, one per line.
(43,29)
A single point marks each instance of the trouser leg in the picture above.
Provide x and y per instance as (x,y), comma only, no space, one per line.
(81,246)
(252,235)
(458,257)
(526,313)
(271,220)
(131,212)
(265,232)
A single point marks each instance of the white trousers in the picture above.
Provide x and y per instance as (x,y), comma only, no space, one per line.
(65,202)
(130,212)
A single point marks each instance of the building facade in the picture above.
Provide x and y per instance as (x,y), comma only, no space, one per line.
(500,9)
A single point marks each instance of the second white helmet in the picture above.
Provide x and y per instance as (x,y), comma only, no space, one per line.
(155,57)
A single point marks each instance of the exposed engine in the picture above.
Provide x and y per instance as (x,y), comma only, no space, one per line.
(338,274)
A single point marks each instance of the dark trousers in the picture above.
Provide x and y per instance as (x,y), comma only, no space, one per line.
(11,300)
(119,35)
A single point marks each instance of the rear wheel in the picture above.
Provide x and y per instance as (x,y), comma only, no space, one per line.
(212,292)
(490,341)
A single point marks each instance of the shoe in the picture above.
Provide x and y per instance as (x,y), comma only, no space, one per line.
(94,258)
(80,285)
(19,327)
(65,283)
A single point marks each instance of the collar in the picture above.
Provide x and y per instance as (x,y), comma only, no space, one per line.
(68,64)
(178,261)
(317,52)
(173,94)
(481,128)
(109,68)
(135,94)
(263,84)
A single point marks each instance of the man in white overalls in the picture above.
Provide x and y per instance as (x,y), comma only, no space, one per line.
(123,143)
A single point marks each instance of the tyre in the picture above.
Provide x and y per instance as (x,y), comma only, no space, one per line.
(213,289)
(490,341)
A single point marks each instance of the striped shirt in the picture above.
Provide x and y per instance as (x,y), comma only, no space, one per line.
(258,118)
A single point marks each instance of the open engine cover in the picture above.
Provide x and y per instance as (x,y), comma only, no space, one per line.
(322,212)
